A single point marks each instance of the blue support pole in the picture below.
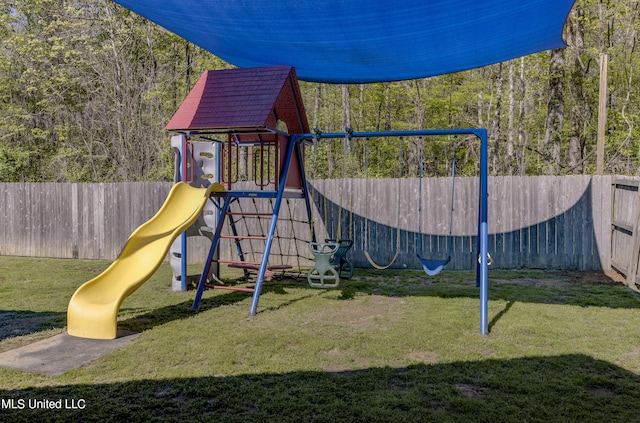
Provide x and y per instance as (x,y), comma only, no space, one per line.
(183,237)
(483,233)
(295,139)
(183,263)
(212,250)
(218,179)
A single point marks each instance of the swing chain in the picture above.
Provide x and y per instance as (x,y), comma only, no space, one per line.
(489,259)
(349,132)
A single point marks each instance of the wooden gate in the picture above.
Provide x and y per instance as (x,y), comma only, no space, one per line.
(625,226)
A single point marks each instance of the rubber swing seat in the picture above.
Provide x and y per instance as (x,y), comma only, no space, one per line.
(433,267)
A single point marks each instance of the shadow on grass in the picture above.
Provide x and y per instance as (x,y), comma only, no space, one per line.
(563,388)
(499,315)
(162,315)
(19,323)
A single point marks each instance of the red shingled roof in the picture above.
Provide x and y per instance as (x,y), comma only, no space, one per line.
(247,98)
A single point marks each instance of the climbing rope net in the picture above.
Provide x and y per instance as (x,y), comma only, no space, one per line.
(249,222)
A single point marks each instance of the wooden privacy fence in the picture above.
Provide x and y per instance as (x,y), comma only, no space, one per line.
(534,222)
(89,221)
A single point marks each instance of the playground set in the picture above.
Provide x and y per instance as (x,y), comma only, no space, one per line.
(241,124)
(259,109)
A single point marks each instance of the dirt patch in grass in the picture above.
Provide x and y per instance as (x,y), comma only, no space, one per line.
(634,354)
(338,368)
(426,357)
(372,312)
(334,353)
(341,361)
(360,314)
(396,281)
(484,352)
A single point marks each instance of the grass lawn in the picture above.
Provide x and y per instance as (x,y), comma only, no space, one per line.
(388,346)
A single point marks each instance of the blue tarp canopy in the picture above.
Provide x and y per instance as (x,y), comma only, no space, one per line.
(353,41)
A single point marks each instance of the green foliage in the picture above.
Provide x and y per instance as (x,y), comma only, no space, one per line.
(14,164)
(87,87)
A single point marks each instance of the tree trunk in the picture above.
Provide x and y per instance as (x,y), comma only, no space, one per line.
(387,108)
(316,106)
(523,139)
(555,112)
(578,110)
(346,109)
(511,121)
(495,126)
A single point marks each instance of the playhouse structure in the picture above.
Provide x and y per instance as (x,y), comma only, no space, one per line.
(235,128)
(234,145)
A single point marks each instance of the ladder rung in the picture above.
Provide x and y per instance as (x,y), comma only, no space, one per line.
(249,214)
(245,266)
(280,267)
(251,263)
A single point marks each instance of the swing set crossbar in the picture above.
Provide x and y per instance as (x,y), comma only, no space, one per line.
(478,132)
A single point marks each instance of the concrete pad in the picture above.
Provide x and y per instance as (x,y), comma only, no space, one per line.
(56,355)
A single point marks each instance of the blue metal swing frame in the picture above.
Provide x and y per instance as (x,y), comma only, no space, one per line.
(295,144)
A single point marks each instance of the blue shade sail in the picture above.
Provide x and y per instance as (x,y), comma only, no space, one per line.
(358,41)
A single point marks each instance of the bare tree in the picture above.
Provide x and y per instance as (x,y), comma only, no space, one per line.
(511,120)
(495,131)
(579,106)
(555,112)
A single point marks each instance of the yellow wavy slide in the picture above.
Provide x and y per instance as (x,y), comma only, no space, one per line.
(94,307)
